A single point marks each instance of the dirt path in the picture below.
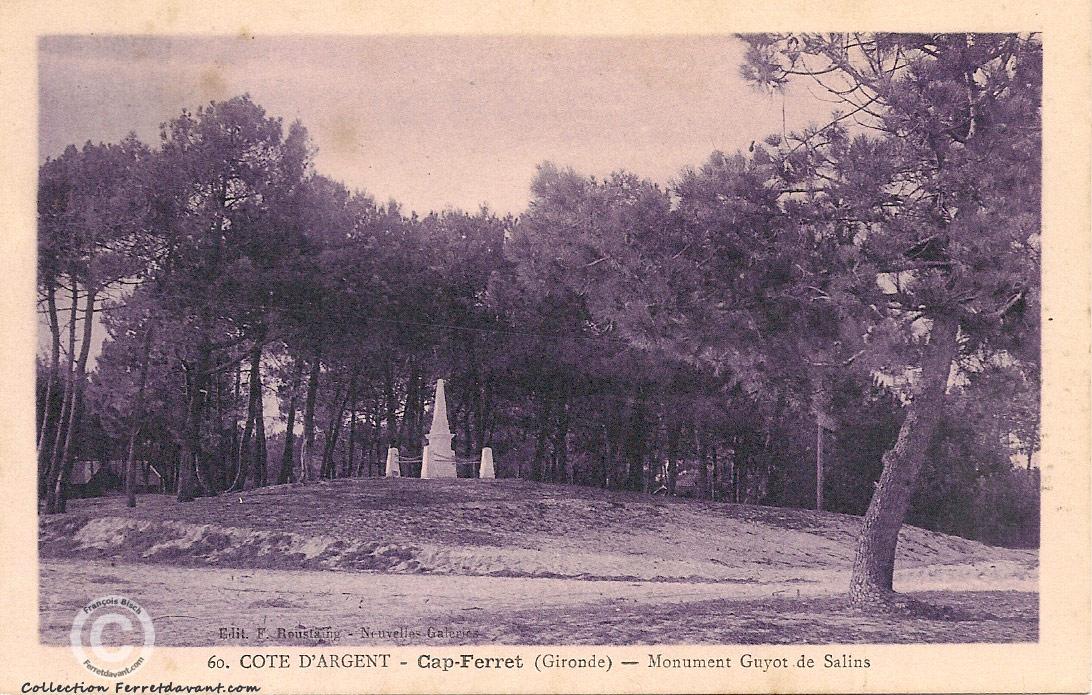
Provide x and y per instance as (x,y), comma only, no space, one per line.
(191,604)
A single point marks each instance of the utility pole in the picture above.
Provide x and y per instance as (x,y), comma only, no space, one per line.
(819,462)
(823,422)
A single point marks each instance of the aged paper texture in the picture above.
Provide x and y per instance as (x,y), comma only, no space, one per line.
(431,397)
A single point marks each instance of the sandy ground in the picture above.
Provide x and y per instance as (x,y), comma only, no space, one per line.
(190,605)
(500,528)
(378,561)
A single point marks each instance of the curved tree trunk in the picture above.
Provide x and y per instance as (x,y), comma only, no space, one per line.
(55,500)
(65,415)
(54,370)
(874,565)
(54,462)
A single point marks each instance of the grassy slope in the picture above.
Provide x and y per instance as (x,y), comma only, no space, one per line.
(498,528)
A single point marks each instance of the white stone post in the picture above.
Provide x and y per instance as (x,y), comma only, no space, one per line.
(486,471)
(425,472)
(393,471)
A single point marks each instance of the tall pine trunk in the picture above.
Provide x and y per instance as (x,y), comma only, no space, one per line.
(309,419)
(236,390)
(537,468)
(874,565)
(480,396)
(189,479)
(55,499)
(54,368)
(391,402)
(703,464)
(488,417)
(716,474)
(409,436)
(261,452)
(608,460)
(248,452)
(288,454)
(350,470)
(54,459)
(333,430)
(672,458)
(636,446)
(563,473)
(243,456)
(138,419)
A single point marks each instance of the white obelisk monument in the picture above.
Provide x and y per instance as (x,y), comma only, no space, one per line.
(441,457)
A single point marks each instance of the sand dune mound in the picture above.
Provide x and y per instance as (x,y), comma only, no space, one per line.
(498,528)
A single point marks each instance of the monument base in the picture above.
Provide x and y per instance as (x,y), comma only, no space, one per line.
(440,462)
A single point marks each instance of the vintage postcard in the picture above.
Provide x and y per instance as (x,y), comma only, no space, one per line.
(545,347)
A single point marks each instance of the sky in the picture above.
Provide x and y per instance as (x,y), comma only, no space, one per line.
(432,122)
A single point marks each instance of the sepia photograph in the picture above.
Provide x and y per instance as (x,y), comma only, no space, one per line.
(545,347)
(449,340)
